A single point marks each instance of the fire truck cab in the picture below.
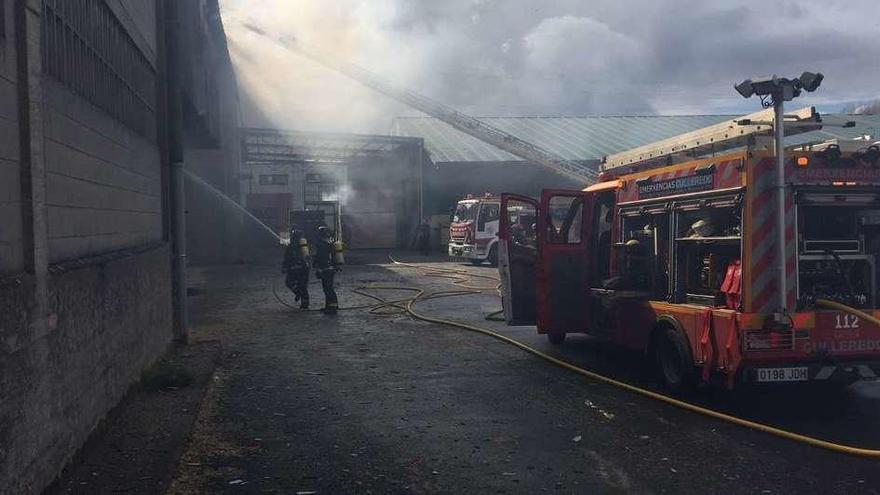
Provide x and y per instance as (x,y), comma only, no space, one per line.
(473,229)
(675,257)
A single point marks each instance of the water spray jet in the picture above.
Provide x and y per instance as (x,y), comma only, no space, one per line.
(198,180)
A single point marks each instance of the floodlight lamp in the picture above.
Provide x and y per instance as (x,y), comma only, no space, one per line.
(789,90)
(766,86)
(832,153)
(810,81)
(745,88)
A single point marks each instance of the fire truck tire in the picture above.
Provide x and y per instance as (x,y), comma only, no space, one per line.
(476,261)
(556,338)
(493,255)
(674,361)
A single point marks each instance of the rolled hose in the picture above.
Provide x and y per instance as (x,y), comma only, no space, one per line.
(847,309)
(406,304)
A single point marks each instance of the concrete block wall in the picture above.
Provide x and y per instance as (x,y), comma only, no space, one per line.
(11,248)
(109,321)
(103,181)
(85,284)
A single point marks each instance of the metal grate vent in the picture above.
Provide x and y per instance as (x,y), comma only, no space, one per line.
(86,48)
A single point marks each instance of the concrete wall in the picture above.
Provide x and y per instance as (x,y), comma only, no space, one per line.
(103,181)
(109,319)
(11,248)
(85,296)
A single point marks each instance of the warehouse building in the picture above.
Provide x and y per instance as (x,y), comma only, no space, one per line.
(367,185)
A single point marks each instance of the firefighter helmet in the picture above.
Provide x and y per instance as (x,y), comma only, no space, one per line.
(702,228)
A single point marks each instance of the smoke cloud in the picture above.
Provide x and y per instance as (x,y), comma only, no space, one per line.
(557,57)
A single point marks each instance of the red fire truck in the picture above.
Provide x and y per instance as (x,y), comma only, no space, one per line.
(473,229)
(673,253)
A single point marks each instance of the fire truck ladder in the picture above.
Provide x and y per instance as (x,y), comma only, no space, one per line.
(464,123)
(718,138)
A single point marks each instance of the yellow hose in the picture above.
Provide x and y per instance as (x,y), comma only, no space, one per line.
(853,311)
(460,278)
(844,449)
(816,442)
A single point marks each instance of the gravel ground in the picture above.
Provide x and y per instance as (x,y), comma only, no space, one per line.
(136,448)
(364,403)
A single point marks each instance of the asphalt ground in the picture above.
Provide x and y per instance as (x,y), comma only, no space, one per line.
(366,403)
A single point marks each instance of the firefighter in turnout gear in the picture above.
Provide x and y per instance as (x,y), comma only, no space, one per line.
(296,266)
(328,260)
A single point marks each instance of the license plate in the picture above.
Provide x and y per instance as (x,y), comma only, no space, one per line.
(797,374)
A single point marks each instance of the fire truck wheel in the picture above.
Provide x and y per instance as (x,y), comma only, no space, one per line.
(476,261)
(493,255)
(556,338)
(674,360)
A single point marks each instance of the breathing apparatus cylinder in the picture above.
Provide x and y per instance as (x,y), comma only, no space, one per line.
(338,256)
(303,245)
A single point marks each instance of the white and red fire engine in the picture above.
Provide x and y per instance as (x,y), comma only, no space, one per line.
(473,229)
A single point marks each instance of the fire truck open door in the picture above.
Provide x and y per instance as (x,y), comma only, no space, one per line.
(563,264)
(517,258)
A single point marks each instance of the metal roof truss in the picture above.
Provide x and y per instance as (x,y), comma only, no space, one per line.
(269,145)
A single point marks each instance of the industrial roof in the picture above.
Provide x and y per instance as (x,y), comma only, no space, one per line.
(280,145)
(589,138)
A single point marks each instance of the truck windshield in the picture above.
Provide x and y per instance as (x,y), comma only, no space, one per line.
(465,212)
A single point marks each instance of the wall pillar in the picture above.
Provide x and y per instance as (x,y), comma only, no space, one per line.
(32,158)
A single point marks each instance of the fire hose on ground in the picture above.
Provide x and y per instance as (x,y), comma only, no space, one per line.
(462,279)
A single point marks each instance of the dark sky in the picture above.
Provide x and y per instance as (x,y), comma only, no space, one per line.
(553,57)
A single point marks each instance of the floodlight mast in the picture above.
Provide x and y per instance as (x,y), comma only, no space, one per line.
(775,91)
